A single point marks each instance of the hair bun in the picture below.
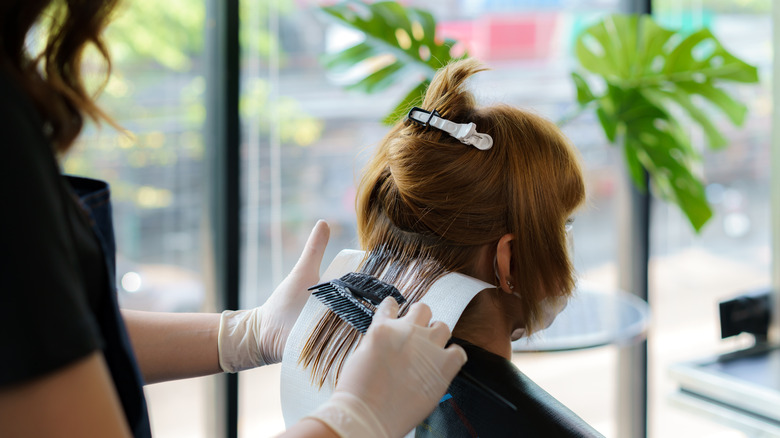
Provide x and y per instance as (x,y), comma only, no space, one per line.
(447,93)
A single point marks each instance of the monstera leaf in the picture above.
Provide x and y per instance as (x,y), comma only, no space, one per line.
(399,42)
(650,76)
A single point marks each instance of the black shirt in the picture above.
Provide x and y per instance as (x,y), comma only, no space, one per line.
(57,293)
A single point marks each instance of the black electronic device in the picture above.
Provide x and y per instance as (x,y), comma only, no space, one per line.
(747,313)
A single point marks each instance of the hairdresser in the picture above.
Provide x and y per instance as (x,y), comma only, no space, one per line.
(72,363)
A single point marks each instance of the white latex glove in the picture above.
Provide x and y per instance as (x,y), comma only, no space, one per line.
(396,376)
(251,338)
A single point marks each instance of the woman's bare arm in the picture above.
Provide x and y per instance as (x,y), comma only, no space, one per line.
(80,400)
(179,345)
(172,346)
(77,400)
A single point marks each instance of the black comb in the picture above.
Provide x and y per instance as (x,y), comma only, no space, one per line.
(345,297)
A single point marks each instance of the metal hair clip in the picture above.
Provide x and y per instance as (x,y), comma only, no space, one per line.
(466,133)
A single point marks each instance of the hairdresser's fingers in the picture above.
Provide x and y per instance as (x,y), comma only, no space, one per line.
(388,309)
(439,333)
(455,358)
(274,320)
(311,257)
(419,314)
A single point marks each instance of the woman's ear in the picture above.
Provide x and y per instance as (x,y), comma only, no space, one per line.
(504,263)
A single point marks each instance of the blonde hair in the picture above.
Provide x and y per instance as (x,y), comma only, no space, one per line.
(427,203)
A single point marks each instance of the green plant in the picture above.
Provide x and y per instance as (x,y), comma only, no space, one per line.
(399,43)
(647,77)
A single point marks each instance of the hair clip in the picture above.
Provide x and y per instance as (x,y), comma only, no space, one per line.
(466,133)
(419,121)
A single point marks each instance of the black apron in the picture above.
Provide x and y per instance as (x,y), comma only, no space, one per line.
(95,198)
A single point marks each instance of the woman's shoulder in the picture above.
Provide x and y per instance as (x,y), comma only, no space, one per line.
(494,372)
(496,399)
(15,106)
(26,154)
(25,146)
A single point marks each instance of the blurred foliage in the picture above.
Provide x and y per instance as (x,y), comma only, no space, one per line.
(117,156)
(295,126)
(399,43)
(718,6)
(637,76)
(157,92)
(169,32)
(641,78)
(254,36)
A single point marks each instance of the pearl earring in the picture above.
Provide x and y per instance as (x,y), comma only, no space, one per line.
(510,285)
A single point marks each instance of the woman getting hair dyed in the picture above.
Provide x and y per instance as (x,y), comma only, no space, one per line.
(465,208)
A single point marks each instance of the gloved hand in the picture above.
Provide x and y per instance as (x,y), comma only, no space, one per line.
(251,338)
(395,377)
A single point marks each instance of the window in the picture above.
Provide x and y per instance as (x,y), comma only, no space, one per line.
(290,182)
(304,140)
(159,181)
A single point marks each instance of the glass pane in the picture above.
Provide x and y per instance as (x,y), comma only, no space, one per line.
(158,177)
(691,273)
(306,139)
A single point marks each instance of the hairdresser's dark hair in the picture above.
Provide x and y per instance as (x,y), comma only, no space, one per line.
(428,202)
(53,78)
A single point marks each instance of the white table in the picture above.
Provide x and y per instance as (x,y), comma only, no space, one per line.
(595,316)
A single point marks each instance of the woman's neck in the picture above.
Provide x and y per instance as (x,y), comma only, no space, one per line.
(486,325)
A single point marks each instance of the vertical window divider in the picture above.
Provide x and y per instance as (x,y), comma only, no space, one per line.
(774,330)
(223,139)
(634,243)
(275,145)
